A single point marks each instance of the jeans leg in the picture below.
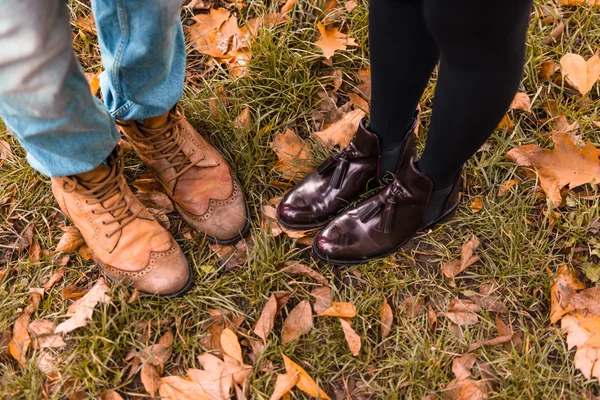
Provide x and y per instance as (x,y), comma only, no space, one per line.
(45,99)
(143,52)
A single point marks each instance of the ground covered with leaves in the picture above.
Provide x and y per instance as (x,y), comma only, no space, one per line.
(500,302)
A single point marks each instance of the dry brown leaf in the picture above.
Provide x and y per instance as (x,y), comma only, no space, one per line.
(93,81)
(70,241)
(504,330)
(506,185)
(322,297)
(455,267)
(564,165)
(476,205)
(491,342)
(432,317)
(110,395)
(5,151)
(83,309)
(54,279)
(350,5)
(5,339)
(332,39)
(206,23)
(134,296)
(586,302)
(298,322)
(219,320)
(359,102)
(580,73)
(364,87)
(72,292)
(387,318)
(150,377)
(305,382)
(291,151)
(20,338)
(597,123)
(287,7)
(218,376)
(341,132)
(521,102)
(463,387)
(284,383)
(547,69)
(42,335)
(564,287)
(231,345)
(352,338)
(297,268)
(579,2)
(180,388)
(87,24)
(555,34)
(266,321)
(242,121)
(342,310)
(561,124)
(462,312)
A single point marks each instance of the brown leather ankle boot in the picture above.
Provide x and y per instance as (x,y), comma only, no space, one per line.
(195,176)
(381,224)
(337,182)
(126,241)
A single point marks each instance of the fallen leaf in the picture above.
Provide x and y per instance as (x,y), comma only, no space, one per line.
(72,292)
(364,87)
(504,330)
(476,205)
(70,241)
(287,7)
(5,151)
(93,81)
(298,322)
(561,124)
(564,287)
(463,387)
(231,345)
(462,312)
(242,121)
(586,302)
(150,377)
(180,388)
(291,151)
(20,338)
(134,296)
(297,268)
(156,200)
(83,309)
(54,279)
(562,166)
(322,297)
(332,39)
(455,267)
(352,338)
(42,335)
(350,5)
(387,318)
(5,340)
(219,320)
(341,132)
(412,306)
(432,317)
(359,102)
(587,358)
(547,69)
(266,321)
(110,395)
(521,102)
(342,310)
(555,34)
(284,383)
(506,185)
(87,24)
(305,382)
(491,342)
(579,2)
(580,73)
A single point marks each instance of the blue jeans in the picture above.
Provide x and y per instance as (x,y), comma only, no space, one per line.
(45,100)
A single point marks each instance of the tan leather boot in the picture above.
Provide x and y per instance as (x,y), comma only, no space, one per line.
(126,241)
(195,176)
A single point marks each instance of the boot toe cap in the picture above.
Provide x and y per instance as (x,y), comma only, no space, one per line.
(169,273)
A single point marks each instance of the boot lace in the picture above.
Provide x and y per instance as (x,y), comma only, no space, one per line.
(165,143)
(100,192)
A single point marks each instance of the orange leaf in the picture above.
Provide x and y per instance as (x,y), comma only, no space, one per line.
(564,287)
(387,318)
(564,165)
(580,73)
(291,151)
(342,310)
(305,382)
(352,338)
(476,204)
(332,39)
(341,132)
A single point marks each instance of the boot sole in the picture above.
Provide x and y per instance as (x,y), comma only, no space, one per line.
(214,240)
(300,227)
(443,218)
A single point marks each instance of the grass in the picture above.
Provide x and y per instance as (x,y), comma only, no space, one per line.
(518,242)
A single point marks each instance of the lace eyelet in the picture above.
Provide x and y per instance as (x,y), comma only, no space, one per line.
(94,212)
(106,236)
(104,223)
(87,202)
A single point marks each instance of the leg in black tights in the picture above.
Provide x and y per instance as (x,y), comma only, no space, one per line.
(482,48)
(482,52)
(403,55)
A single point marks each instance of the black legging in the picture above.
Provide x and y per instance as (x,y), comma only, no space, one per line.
(481,48)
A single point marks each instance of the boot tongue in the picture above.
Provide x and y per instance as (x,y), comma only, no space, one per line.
(96,175)
(156,122)
(90,179)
